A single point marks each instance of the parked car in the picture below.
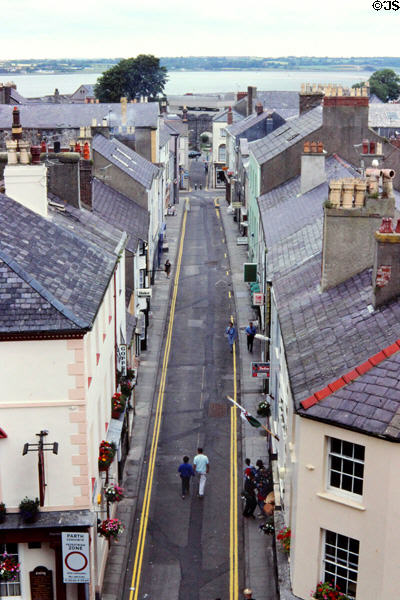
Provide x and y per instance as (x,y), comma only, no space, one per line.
(194,153)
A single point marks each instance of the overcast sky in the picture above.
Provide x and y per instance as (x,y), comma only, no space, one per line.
(124,28)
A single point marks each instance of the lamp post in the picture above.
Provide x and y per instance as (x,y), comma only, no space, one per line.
(41,447)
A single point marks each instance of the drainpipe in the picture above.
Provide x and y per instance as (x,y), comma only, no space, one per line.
(115,323)
(176,199)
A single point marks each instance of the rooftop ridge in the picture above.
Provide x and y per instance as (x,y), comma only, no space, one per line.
(68,314)
(355,373)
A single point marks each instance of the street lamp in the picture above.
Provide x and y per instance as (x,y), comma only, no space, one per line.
(41,447)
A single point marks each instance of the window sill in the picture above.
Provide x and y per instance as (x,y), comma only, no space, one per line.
(341,500)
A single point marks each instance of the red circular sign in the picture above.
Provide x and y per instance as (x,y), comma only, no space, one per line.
(73,559)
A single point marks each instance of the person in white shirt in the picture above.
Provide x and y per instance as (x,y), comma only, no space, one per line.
(202,467)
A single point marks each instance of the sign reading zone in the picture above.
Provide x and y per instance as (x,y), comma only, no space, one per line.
(75,555)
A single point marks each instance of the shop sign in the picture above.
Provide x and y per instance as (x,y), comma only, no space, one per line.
(236,205)
(258,299)
(144,293)
(242,241)
(122,359)
(75,557)
(260,370)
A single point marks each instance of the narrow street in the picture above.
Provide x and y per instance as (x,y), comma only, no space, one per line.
(181,547)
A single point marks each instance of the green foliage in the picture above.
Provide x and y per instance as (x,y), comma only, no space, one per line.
(132,77)
(385,84)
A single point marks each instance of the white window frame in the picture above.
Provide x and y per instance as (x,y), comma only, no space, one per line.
(11,585)
(340,564)
(339,490)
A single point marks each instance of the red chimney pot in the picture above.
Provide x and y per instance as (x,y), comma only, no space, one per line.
(386,226)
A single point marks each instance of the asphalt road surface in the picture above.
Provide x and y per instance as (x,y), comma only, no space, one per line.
(186,553)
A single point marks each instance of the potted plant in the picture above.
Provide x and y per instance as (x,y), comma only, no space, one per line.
(106,455)
(29,509)
(9,568)
(2,512)
(264,409)
(110,528)
(114,493)
(328,590)
(118,402)
(284,537)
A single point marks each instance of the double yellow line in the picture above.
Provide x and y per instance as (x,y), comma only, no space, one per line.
(137,566)
(233,517)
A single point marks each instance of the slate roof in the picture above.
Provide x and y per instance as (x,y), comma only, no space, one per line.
(287,135)
(126,159)
(384,115)
(221,117)
(66,275)
(275,99)
(327,335)
(120,211)
(64,116)
(242,126)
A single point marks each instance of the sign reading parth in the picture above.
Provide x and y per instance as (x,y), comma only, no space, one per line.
(75,557)
(260,369)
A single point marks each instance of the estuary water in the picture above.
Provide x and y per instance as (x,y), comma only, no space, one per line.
(182,82)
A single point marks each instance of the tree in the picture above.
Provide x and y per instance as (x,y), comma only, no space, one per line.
(384,83)
(132,77)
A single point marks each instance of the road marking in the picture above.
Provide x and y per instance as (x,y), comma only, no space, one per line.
(217,211)
(137,567)
(229,294)
(225,255)
(223,240)
(233,513)
(227,272)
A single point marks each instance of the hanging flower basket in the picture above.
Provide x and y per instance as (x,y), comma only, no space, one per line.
(284,537)
(126,387)
(110,528)
(327,590)
(106,455)
(29,509)
(9,568)
(118,402)
(114,493)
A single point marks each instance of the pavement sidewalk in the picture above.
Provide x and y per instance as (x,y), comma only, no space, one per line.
(116,568)
(260,572)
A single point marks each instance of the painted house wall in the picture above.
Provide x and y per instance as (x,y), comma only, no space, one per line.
(253,212)
(373,520)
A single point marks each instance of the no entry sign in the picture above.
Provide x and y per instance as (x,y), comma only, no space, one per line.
(75,554)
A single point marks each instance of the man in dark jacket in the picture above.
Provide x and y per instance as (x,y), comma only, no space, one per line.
(186,472)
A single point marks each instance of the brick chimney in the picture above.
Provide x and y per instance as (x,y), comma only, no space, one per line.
(229,116)
(259,108)
(309,97)
(251,96)
(386,271)
(352,214)
(312,166)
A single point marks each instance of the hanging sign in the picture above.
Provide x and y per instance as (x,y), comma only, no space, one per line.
(260,370)
(258,299)
(75,557)
(122,359)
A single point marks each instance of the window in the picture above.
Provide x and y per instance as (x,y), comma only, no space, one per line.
(10,588)
(346,466)
(223,132)
(222,153)
(340,562)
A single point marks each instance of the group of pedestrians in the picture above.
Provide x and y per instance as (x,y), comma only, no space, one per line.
(231,334)
(257,486)
(201,467)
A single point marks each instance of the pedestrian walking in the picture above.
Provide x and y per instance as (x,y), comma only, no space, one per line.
(249,468)
(201,466)
(167,268)
(250,332)
(186,471)
(231,334)
(248,594)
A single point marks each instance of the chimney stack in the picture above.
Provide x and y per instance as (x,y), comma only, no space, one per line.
(229,116)
(124,109)
(309,97)
(259,108)
(386,271)
(312,166)
(351,216)
(251,96)
(16,128)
